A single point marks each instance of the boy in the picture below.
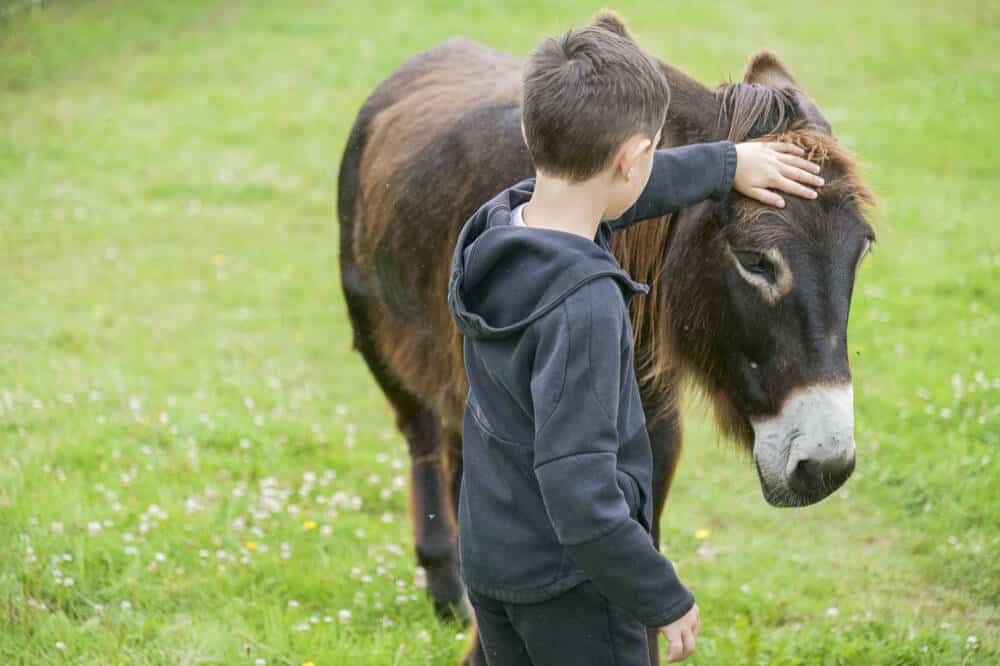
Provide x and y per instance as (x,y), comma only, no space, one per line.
(555,503)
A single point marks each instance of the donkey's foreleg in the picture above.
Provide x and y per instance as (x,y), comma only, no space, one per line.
(665,441)
(433,532)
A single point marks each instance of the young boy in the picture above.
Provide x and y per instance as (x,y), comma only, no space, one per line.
(555,505)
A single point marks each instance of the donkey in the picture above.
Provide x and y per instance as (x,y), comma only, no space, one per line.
(749,302)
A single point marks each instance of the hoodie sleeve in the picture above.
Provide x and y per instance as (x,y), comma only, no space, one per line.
(681,177)
(575,387)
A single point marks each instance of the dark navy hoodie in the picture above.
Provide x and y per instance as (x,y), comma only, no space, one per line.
(556,483)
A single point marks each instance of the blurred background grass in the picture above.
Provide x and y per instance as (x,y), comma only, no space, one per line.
(194,467)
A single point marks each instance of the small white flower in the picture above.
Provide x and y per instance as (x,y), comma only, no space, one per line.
(832,612)
(344,616)
(60,645)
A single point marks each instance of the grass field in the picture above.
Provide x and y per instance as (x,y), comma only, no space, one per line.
(195,468)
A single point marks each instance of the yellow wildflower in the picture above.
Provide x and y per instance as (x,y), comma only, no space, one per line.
(702,534)
(309,525)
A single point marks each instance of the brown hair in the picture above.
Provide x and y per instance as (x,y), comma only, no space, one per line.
(587,92)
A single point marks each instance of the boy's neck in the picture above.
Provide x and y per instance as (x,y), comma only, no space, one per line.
(577,208)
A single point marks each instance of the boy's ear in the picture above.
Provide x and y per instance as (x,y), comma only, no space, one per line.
(628,155)
(609,20)
(524,134)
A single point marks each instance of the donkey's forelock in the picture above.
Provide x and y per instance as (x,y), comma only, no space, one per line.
(844,183)
(782,113)
(753,110)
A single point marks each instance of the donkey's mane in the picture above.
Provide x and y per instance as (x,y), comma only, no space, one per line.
(752,110)
(747,111)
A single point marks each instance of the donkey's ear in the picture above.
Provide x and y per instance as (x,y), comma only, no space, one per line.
(766,69)
(609,20)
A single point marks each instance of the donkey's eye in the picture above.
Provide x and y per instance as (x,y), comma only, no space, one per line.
(756,263)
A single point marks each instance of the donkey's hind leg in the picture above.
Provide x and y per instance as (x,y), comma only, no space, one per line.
(433,535)
(430,510)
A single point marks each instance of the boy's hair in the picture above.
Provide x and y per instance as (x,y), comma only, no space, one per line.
(585,93)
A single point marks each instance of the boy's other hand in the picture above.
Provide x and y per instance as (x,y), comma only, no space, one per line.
(771,164)
(681,634)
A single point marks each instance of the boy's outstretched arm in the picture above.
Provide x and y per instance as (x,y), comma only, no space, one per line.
(683,176)
(575,387)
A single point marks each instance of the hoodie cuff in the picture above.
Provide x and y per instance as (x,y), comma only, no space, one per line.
(673,612)
(633,574)
(728,170)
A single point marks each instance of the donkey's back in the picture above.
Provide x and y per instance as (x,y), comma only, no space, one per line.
(433,141)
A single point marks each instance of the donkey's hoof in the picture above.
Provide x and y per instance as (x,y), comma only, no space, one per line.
(460,610)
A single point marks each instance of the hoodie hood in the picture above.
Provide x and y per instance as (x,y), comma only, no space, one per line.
(505,276)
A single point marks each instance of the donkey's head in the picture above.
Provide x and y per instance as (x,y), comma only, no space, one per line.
(756,299)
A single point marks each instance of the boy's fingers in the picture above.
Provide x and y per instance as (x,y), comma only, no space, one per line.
(799,162)
(688,637)
(675,651)
(790,186)
(782,147)
(766,196)
(800,175)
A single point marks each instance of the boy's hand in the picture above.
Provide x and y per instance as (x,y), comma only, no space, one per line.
(770,164)
(681,634)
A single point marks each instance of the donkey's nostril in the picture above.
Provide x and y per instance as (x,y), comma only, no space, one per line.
(806,477)
(812,477)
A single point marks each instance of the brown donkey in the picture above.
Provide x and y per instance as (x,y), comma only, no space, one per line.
(748,301)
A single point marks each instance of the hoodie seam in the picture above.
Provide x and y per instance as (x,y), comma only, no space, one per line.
(562,380)
(590,351)
(571,455)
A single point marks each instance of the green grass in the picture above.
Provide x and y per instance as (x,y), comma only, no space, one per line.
(179,402)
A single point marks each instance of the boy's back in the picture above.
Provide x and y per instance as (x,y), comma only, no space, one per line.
(556,486)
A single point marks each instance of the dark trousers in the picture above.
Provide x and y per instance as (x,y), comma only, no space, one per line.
(579,627)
